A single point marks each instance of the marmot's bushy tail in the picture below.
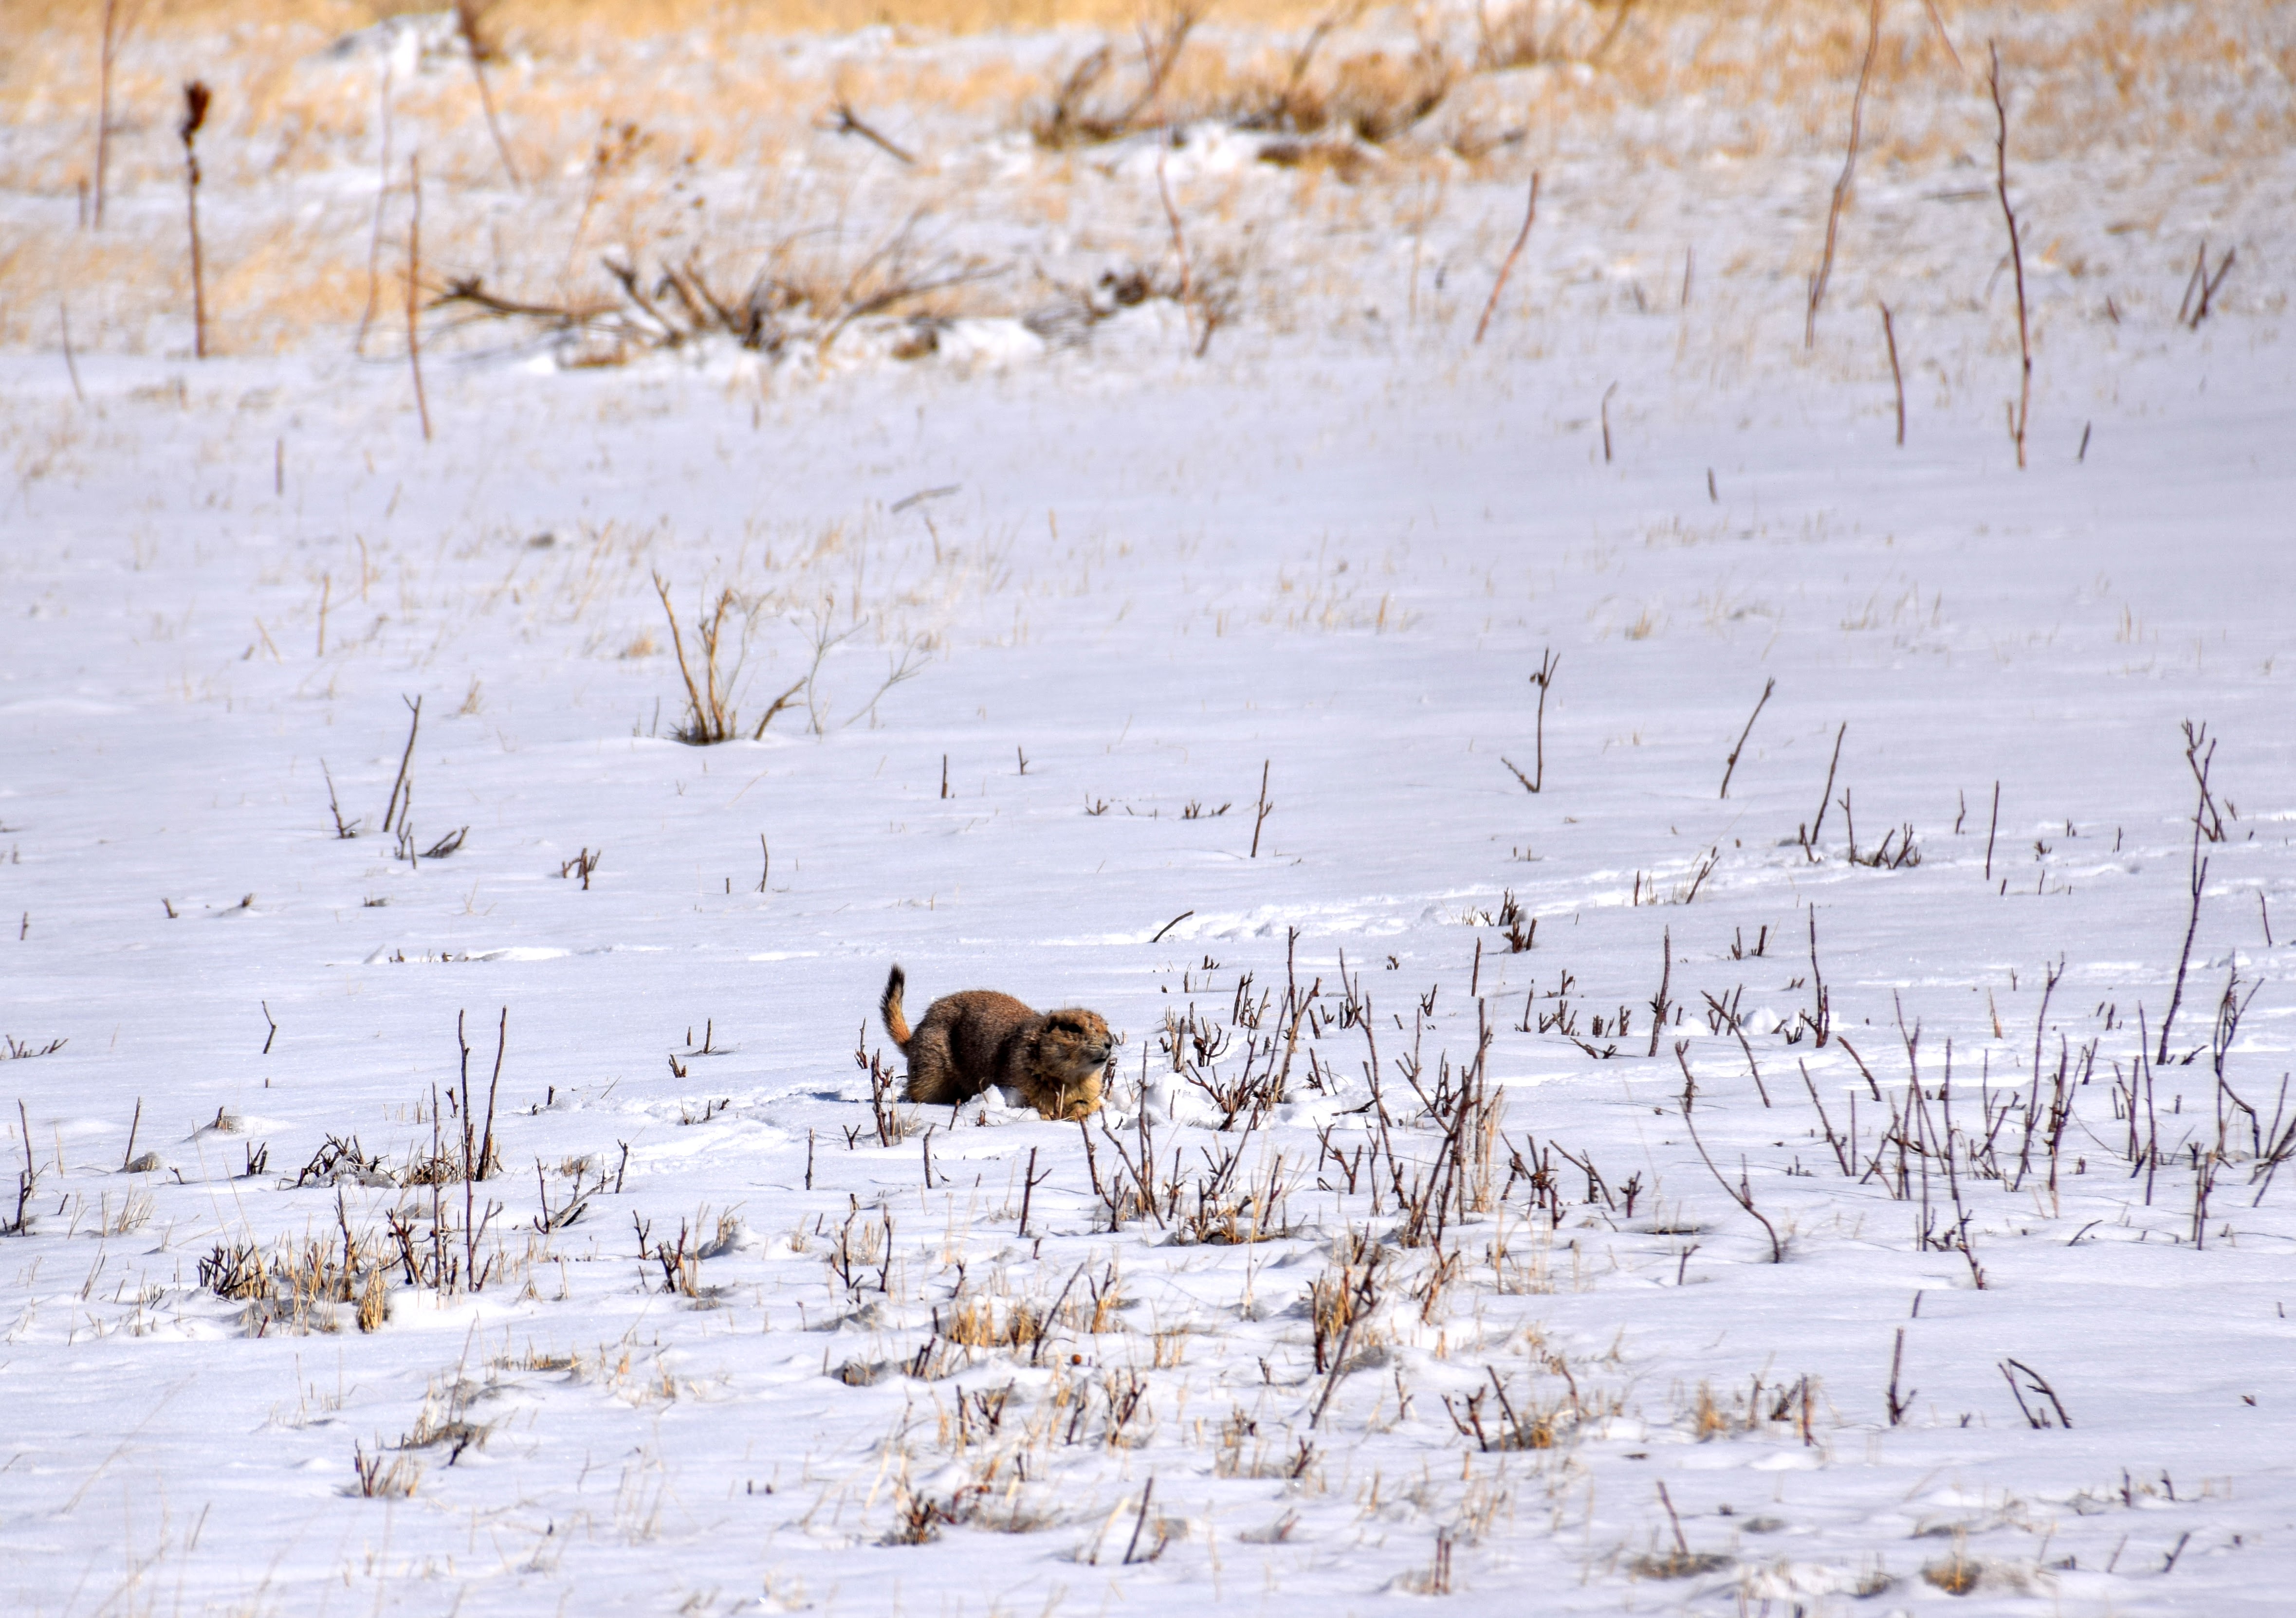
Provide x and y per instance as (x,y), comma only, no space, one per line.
(896,1024)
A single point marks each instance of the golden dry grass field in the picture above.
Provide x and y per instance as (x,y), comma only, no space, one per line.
(661,132)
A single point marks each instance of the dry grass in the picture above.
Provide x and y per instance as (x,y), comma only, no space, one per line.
(709,148)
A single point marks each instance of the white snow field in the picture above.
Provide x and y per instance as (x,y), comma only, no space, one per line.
(1929,1253)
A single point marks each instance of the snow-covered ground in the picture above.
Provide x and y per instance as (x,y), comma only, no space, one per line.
(1046,615)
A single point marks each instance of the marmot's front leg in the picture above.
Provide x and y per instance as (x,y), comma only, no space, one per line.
(1068,1102)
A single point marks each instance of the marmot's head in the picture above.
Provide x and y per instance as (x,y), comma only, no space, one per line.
(1073,1046)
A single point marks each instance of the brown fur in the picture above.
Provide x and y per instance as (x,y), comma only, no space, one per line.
(966,1043)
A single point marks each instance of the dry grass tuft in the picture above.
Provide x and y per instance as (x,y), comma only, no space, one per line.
(1956,1575)
(378,1479)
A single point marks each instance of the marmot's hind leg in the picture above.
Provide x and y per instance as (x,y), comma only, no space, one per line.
(933,1077)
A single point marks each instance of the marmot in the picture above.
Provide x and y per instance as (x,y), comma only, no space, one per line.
(968,1041)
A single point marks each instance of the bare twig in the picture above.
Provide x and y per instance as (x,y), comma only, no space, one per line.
(1658,1001)
(1544,679)
(1944,38)
(195,114)
(2019,415)
(374,236)
(1147,1492)
(119,22)
(1899,1407)
(1849,169)
(841,120)
(1731,764)
(71,365)
(470,18)
(2200,878)
(1611,36)
(1897,376)
(1506,267)
(2035,1383)
(1742,1193)
(1822,1024)
(1992,827)
(415,289)
(1809,839)
(413,725)
(2194,310)
(1681,1545)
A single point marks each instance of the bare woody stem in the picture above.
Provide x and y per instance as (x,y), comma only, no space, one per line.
(1548,664)
(1731,766)
(374,236)
(1809,843)
(1659,1003)
(415,290)
(113,32)
(1739,1193)
(2019,416)
(1187,298)
(195,114)
(1531,214)
(468,16)
(1897,376)
(693,692)
(1848,170)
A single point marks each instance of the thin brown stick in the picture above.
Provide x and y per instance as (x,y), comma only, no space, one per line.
(71,365)
(841,120)
(115,34)
(677,642)
(1897,376)
(195,114)
(1264,809)
(1897,1407)
(1742,1193)
(375,237)
(1944,38)
(1545,680)
(1530,215)
(414,290)
(413,726)
(1681,1545)
(1659,1003)
(1610,37)
(469,16)
(1731,767)
(2206,283)
(1179,240)
(2022,413)
(1809,843)
(1848,170)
